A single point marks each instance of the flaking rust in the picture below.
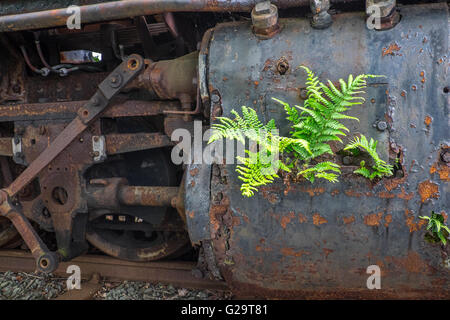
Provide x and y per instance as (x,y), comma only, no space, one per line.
(427,190)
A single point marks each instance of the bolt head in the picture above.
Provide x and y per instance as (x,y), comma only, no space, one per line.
(215,98)
(262,7)
(382,125)
(317,6)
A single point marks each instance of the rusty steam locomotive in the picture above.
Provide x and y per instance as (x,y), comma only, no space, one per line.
(87,114)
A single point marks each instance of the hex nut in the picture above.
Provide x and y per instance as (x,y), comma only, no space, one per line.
(265,20)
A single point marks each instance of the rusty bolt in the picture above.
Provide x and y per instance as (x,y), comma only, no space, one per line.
(282,65)
(116,80)
(303,93)
(321,19)
(215,98)
(262,7)
(96,153)
(347,160)
(381,125)
(445,156)
(96,138)
(95,101)
(265,20)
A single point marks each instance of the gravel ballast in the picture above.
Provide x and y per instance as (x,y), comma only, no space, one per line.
(34,286)
(30,286)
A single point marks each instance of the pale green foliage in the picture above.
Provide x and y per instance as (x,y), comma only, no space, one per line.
(436,226)
(380,167)
(320,171)
(260,167)
(314,125)
(318,120)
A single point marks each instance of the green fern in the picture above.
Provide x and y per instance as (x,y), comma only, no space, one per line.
(260,167)
(313,125)
(318,120)
(439,231)
(320,171)
(380,167)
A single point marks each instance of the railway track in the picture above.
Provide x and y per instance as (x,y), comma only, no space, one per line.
(96,267)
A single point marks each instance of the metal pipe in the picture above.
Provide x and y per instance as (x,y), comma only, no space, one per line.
(130,8)
(147,196)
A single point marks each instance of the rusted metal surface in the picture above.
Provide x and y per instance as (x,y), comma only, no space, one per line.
(130,8)
(147,196)
(6,147)
(295,238)
(165,79)
(47,261)
(68,110)
(121,143)
(197,186)
(175,273)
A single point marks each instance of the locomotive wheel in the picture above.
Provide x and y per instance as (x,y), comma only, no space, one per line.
(122,237)
(139,233)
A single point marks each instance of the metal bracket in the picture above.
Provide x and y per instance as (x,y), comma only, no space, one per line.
(17,151)
(46,260)
(99,148)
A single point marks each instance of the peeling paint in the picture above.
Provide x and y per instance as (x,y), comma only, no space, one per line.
(373,219)
(318,220)
(428,189)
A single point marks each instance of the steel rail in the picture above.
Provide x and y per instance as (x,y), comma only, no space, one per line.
(177,273)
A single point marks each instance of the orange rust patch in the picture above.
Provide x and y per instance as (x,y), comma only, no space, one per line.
(261,248)
(302,218)
(445,216)
(391,184)
(314,191)
(404,195)
(442,169)
(286,219)
(335,192)
(318,220)
(327,251)
(386,195)
(387,220)
(427,190)
(410,221)
(270,196)
(191,214)
(428,120)
(373,219)
(348,220)
(412,263)
(291,252)
(390,50)
(193,172)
